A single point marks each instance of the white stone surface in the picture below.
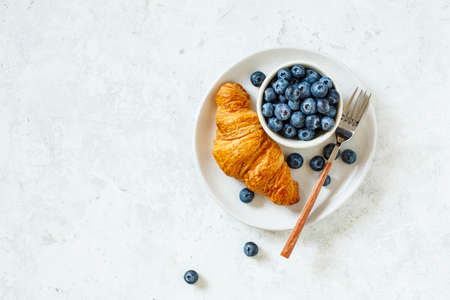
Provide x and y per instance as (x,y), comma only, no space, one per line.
(99,195)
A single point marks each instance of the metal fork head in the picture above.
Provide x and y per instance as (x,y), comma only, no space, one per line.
(352,114)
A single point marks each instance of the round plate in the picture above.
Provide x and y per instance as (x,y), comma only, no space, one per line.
(345,179)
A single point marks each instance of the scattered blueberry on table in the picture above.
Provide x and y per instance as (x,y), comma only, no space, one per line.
(246,195)
(191,277)
(294,160)
(257,78)
(348,156)
(327,180)
(250,249)
(317,163)
(328,149)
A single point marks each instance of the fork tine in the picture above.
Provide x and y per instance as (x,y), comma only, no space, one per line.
(357,106)
(346,108)
(363,109)
(350,112)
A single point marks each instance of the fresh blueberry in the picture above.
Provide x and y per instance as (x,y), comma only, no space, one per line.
(280,86)
(284,74)
(305,134)
(317,163)
(327,81)
(312,122)
(191,277)
(327,180)
(282,99)
(332,112)
(267,110)
(333,97)
(308,106)
(323,106)
(311,76)
(294,104)
(274,124)
(269,95)
(328,149)
(304,88)
(348,156)
(246,195)
(327,123)
(298,71)
(250,249)
(294,160)
(282,111)
(292,92)
(257,78)
(297,119)
(289,131)
(319,89)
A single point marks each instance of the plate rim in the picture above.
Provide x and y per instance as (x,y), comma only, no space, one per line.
(196,129)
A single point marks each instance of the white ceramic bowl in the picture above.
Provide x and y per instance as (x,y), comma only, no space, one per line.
(291,143)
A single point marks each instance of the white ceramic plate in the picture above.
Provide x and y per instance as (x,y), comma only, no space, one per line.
(261,212)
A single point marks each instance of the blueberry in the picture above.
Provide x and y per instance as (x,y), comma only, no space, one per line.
(317,163)
(328,149)
(298,71)
(294,160)
(304,88)
(319,89)
(326,81)
(333,97)
(292,92)
(323,106)
(250,249)
(282,111)
(267,110)
(305,134)
(327,180)
(269,95)
(332,112)
(280,86)
(257,78)
(297,119)
(312,122)
(308,106)
(246,195)
(282,99)
(326,123)
(284,74)
(274,124)
(294,104)
(348,156)
(289,131)
(311,76)
(191,277)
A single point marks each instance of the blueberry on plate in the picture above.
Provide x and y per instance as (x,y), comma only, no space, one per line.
(327,81)
(323,106)
(311,76)
(294,104)
(267,110)
(312,122)
(246,195)
(292,92)
(348,156)
(304,88)
(274,124)
(282,99)
(308,106)
(284,74)
(326,123)
(306,134)
(250,249)
(332,112)
(318,89)
(294,160)
(288,131)
(328,149)
(327,180)
(298,71)
(317,163)
(297,119)
(269,95)
(282,111)
(333,97)
(191,277)
(280,86)
(257,78)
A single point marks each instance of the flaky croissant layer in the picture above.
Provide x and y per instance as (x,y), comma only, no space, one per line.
(244,151)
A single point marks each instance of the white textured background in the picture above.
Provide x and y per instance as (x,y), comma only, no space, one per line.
(99,195)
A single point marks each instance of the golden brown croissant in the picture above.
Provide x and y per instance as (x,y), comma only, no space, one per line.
(243,150)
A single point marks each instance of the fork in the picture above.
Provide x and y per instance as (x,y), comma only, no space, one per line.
(347,126)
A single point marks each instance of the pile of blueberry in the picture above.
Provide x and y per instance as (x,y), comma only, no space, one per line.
(299,103)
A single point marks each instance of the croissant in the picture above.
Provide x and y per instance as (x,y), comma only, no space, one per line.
(243,150)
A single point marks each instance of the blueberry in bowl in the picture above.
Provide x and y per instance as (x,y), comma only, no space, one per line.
(298,105)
